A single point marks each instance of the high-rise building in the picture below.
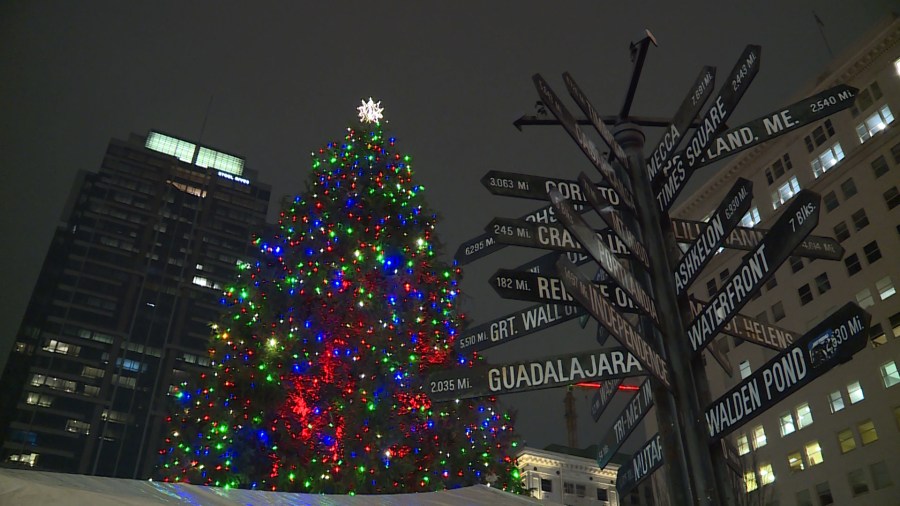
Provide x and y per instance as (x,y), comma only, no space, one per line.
(124,303)
(835,440)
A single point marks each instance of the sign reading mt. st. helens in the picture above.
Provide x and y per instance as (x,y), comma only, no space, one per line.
(797,221)
(527,186)
(832,342)
(720,224)
(746,238)
(751,329)
(549,372)
(674,175)
(782,121)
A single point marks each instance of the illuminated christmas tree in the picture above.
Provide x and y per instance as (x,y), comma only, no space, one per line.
(321,356)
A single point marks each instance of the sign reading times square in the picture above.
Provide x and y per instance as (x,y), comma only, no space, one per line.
(832,342)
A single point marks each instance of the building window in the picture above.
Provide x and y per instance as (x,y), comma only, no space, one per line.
(759,437)
(78,427)
(855,391)
(889,374)
(602,494)
(743,445)
(877,335)
(724,275)
(860,220)
(846,440)
(711,287)
(546,485)
(795,462)
(841,232)
(857,481)
(804,415)
(766,475)
(852,263)
(848,187)
(872,252)
(823,490)
(885,287)
(803,498)
(580,490)
(876,122)
(92,372)
(750,481)
(814,453)
(772,283)
(822,283)
(864,298)
(827,159)
(751,218)
(879,167)
(787,424)
(836,401)
(805,294)
(778,311)
(895,152)
(891,197)
(831,201)
(796,264)
(785,192)
(568,488)
(28,459)
(41,400)
(745,369)
(895,324)
(881,478)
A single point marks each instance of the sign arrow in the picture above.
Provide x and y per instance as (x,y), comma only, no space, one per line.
(750,329)
(645,461)
(548,236)
(536,287)
(624,228)
(746,238)
(833,341)
(588,109)
(602,396)
(626,422)
(515,325)
(512,184)
(797,221)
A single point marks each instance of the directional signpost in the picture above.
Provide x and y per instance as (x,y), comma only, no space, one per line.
(720,224)
(602,396)
(531,286)
(637,407)
(556,371)
(645,461)
(751,329)
(801,216)
(515,325)
(526,186)
(832,342)
(623,226)
(744,238)
(588,109)
(552,236)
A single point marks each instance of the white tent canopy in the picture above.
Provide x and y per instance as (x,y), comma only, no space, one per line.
(35,488)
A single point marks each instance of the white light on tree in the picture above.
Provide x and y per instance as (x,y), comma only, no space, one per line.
(370,112)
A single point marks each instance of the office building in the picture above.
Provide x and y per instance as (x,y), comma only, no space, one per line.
(123,306)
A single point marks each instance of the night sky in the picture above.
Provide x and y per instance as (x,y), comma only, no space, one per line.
(272,82)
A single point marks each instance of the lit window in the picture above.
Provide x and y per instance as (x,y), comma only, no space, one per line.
(889,374)
(897,66)
(855,391)
(751,218)
(745,369)
(846,440)
(785,192)
(201,281)
(78,427)
(804,416)
(750,481)
(55,346)
(766,475)
(209,158)
(827,159)
(877,335)
(759,437)
(814,453)
(836,401)
(28,459)
(795,462)
(91,372)
(878,121)
(885,288)
(91,390)
(178,148)
(787,424)
(864,298)
(743,445)
(41,400)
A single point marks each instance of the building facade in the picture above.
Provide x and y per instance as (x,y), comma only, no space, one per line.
(834,441)
(123,306)
(564,475)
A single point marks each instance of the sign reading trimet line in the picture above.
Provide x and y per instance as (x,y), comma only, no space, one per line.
(801,216)
(832,342)
(556,371)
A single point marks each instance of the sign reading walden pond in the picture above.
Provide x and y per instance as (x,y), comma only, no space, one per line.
(832,342)
(557,371)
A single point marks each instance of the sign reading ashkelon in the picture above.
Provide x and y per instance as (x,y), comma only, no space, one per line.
(746,238)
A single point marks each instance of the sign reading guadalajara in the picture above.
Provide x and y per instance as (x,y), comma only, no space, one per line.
(801,216)
(556,371)
(745,238)
(526,186)
(829,343)
(720,224)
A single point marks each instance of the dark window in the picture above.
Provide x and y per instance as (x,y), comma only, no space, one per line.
(852,263)
(877,335)
(819,135)
(895,152)
(863,99)
(831,201)
(546,485)
(849,188)
(602,494)
(879,167)
(769,177)
(876,90)
(891,197)
(796,264)
(771,283)
(857,481)
(872,252)
(841,231)
(860,220)
(824,493)
(778,311)
(809,144)
(724,275)
(822,283)
(788,164)
(805,294)
(711,287)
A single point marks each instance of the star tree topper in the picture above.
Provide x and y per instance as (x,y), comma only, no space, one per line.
(370,112)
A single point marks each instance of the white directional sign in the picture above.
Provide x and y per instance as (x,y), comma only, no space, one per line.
(645,461)
(624,226)
(746,238)
(515,325)
(624,425)
(531,286)
(588,109)
(552,236)
(527,186)
(752,330)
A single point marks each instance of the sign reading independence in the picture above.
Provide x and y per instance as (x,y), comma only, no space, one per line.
(571,220)
(556,371)
(801,216)
(645,461)
(590,297)
(779,122)
(587,146)
(602,396)
(588,109)
(744,238)
(552,236)
(832,342)
(751,329)
(720,224)
(515,325)
(526,186)
(536,287)
(690,107)
(626,422)
(615,220)
(679,169)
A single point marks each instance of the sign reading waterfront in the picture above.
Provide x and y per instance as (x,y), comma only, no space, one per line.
(801,217)
(556,371)
(832,342)
(626,422)
(602,396)
(752,330)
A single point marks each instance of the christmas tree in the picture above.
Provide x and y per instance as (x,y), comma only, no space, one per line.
(322,353)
